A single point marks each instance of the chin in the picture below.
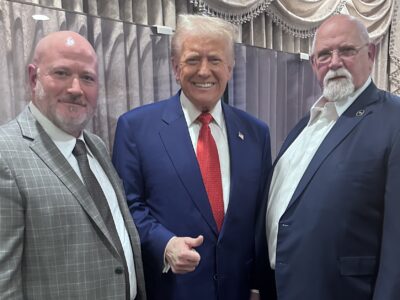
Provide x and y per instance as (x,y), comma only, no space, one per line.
(72,125)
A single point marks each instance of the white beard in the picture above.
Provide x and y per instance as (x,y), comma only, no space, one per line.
(338,89)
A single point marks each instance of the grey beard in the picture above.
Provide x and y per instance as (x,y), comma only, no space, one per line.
(338,89)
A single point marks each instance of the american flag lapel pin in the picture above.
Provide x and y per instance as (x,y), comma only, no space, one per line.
(241,136)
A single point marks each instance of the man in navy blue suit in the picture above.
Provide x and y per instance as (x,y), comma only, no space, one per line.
(197,241)
(332,220)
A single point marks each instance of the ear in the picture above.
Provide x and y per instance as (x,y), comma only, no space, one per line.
(230,69)
(32,73)
(176,68)
(313,63)
(371,52)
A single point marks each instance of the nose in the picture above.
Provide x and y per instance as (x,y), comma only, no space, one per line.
(336,61)
(204,70)
(75,88)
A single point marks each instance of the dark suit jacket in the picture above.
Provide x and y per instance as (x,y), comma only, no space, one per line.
(339,238)
(154,156)
(53,245)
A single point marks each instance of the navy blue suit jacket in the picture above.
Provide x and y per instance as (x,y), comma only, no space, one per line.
(339,238)
(154,156)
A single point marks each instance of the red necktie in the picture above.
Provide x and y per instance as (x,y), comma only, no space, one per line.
(207,156)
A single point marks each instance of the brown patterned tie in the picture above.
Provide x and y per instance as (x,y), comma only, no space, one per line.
(207,156)
(101,203)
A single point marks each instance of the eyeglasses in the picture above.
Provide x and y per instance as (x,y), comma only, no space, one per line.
(325,56)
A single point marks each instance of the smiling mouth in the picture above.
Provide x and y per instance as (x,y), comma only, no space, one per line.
(203,85)
(73,103)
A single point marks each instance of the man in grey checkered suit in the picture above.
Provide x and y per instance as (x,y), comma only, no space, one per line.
(57,240)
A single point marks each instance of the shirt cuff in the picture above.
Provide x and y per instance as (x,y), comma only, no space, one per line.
(166,266)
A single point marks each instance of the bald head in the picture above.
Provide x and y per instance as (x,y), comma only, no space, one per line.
(345,22)
(63,41)
(64,80)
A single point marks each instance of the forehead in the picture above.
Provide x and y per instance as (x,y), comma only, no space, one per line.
(68,51)
(79,64)
(336,34)
(204,45)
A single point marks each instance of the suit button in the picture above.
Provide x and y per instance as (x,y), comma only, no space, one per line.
(119,270)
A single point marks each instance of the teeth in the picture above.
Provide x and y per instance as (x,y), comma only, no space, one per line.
(204,85)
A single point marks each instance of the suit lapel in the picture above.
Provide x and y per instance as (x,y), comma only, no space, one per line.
(237,145)
(291,137)
(48,152)
(359,110)
(176,139)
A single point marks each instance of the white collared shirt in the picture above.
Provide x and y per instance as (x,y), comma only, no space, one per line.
(66,143)
(291,166)
(219,133)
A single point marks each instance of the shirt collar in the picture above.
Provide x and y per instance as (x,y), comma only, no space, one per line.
(191,112)
(64,141)
(342,105)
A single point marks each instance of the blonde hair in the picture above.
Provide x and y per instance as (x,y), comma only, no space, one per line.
(196,25)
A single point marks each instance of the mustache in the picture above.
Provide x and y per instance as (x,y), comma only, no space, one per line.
(73,99)
(342,72)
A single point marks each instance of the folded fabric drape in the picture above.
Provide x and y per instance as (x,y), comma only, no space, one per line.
(394,51)
(301,17)
(377,15)
(236,11)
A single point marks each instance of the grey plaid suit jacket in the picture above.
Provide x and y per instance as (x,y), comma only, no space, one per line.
(53,242)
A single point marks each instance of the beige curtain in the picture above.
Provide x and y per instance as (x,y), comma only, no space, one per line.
(134,66)
(283,25)
(134,61)
(394,51)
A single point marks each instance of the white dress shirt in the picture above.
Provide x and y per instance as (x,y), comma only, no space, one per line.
(293,163)
(66,143)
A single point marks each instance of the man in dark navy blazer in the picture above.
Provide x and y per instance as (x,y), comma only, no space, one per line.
(186,254)
(332,219)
